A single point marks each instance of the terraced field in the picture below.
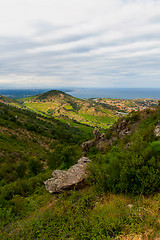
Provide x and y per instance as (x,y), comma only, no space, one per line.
(63,106)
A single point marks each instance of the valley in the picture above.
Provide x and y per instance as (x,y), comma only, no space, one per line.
(100,112)
(120,198)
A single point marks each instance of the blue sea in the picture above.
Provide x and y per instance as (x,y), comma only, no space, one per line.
(119,93)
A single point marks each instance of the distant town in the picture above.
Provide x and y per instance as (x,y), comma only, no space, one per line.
(127,106)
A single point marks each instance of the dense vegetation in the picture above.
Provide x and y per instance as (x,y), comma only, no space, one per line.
(121,198)
(132,164)
(30,147)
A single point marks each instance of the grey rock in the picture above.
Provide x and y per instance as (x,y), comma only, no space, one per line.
(65,180)
(127,145)
(103,137)
(123,124)
(86,146)
(96,134)
(124,132)
(98,141)
(157,130)
(102,145)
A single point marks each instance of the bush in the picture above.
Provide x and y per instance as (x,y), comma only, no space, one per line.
(64,156)
(35,166)
(133,170)
(21,169)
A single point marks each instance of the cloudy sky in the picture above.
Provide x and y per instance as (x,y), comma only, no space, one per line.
(79,43)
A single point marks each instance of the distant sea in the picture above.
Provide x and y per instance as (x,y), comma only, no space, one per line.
(119,93)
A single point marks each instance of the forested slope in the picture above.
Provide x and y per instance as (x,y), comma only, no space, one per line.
(121,199)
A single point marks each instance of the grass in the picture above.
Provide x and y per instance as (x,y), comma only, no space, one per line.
(102,121)
(68,107)
(84,214)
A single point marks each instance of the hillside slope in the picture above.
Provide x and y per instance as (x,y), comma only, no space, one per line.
(27,138)
(10,102)
(63,106)
(130,154)
(121,199)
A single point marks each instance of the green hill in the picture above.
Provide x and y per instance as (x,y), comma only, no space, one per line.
(100,112)
(10,102)
(63,106)
(121,199)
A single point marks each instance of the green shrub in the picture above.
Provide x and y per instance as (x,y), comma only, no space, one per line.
(35,166)
(64,156)
(133,170)
(21,169)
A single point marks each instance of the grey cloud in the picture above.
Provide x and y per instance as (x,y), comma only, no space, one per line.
(15,45)
(81,49)
(155,19)
(45,27)
(78,37)
(75,63)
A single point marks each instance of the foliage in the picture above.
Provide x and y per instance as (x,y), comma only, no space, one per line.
(27,142)
(134,169)
(64,156)
(84,215)
(35,166)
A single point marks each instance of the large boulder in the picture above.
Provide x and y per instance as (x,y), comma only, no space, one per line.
(65,180)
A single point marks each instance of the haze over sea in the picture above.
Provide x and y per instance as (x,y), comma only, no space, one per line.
(119,93)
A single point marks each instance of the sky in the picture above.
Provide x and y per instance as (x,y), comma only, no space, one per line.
(79,43)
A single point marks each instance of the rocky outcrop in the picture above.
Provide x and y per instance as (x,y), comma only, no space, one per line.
(98,141)
(101,142)
(96,134)
(66,180)
(157,129)
(74,176)
(123,129)
(86,146)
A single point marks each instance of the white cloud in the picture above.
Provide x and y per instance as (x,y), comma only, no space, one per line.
(79,43)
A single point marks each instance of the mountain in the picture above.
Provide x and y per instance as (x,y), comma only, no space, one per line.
(63,106)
